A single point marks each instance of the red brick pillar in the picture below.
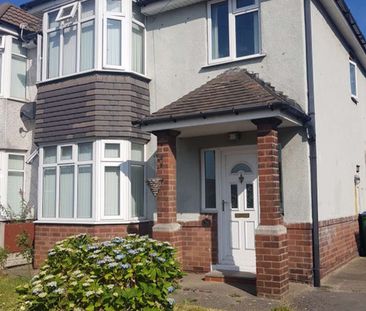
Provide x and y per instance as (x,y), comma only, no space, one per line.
(271,234)
(166,227)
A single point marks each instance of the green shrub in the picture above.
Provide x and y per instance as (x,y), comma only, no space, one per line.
(134,273)
(3,257)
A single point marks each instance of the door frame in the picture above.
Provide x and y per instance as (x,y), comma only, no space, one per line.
(246,149)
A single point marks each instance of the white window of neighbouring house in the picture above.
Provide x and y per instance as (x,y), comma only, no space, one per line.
(353,79)
(18,70)
(89,34)
(15,182)
(89,181)
(234,29)
(208,160)
(1,63)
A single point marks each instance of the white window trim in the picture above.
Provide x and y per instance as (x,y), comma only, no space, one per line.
(99,162)
(354,96)
(59,16)
(233,12)
(217,179)
(134,21)
(4,170)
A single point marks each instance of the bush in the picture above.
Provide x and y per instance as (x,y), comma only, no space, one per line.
(3,257)
(134,273)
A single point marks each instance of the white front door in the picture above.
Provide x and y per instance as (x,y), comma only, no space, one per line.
(238,213)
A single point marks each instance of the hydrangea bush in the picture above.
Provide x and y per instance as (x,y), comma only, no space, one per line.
(80,273)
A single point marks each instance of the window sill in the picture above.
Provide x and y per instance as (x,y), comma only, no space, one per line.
(90,222)
(236,60)
(92,71)
(25,101)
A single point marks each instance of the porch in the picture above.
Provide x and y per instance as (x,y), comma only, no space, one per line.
(218,163)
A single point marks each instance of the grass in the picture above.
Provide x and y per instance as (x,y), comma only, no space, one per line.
(8,296)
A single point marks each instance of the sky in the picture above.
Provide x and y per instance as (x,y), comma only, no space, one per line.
(358,8)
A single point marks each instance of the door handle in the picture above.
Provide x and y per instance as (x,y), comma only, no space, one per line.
(223,205)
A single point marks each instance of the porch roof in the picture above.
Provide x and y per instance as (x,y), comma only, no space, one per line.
(232,93)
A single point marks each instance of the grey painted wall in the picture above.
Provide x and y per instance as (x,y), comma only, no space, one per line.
(341,124)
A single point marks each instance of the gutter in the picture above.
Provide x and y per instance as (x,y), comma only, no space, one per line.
(312,143)
(285,108)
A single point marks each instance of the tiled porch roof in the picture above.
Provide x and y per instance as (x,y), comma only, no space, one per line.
(15,16)
(233,91)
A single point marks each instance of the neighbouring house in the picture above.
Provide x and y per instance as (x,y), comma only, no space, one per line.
(18,164)
(245,118)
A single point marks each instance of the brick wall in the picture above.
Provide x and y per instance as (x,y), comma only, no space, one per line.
(300,252)
(338,243)
(199,243)
(46,235)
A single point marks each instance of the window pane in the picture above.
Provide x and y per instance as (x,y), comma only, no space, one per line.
(49,155)
(52,20)
(220,30)
(137,152)
(69,50)
(18,76)
(234,196)
(244,3)
(210,179)
(16,162)
(247,34)
(49,192)
(250,196)
(17,48)
(66,192)
(137,190)
(85,152)
(114,31)
(53,54)
(353,79)
(111,191)
(15,185)
(138,49)
(87,45)
(87,8)
(1,72)
(112,151)
(114,5)
(66,153)
(84,191)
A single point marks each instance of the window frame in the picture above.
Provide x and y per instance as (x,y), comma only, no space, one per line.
(75,163)
(217,177)
(142,25)
(353,96)
(23,58)
(233,11)
(60,18)
(78,23)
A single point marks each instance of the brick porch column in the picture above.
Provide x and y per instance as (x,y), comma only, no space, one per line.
(166,227)
(271,234)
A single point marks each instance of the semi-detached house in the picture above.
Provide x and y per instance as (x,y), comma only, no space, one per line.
(235,129)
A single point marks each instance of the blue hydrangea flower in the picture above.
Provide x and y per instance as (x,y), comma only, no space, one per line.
(116,251)
(52,284)
(125,266)
(161,259)
(100,262)
(132,251)
(153,254)
(171,289)
(120,257)
(171,301)
(112,265)
(118,240)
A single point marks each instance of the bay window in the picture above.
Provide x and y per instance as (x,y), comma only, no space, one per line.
(107,175)
(15,182)
(89,34)
(233,29)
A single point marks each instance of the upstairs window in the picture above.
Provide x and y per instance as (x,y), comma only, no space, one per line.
(233,29)
(70,37)
(18,70)
(353,79)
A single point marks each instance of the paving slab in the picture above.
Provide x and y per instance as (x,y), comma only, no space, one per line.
(342,290)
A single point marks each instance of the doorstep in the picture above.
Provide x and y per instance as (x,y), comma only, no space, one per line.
(225,276)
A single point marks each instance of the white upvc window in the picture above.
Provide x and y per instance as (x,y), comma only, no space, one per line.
(208,180)
(100,181)
(67,181)
(69,36)
(2,45)
(233,29)
(12,180)
(353,80)
(93,35)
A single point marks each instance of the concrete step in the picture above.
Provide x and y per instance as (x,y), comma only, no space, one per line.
(225,276)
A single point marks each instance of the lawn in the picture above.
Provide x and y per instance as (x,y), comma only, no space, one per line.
(8,296)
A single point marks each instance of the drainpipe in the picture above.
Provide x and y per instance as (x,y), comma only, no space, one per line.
(312,143)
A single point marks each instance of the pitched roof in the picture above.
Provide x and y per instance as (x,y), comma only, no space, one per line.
(235,90)
(15,16)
